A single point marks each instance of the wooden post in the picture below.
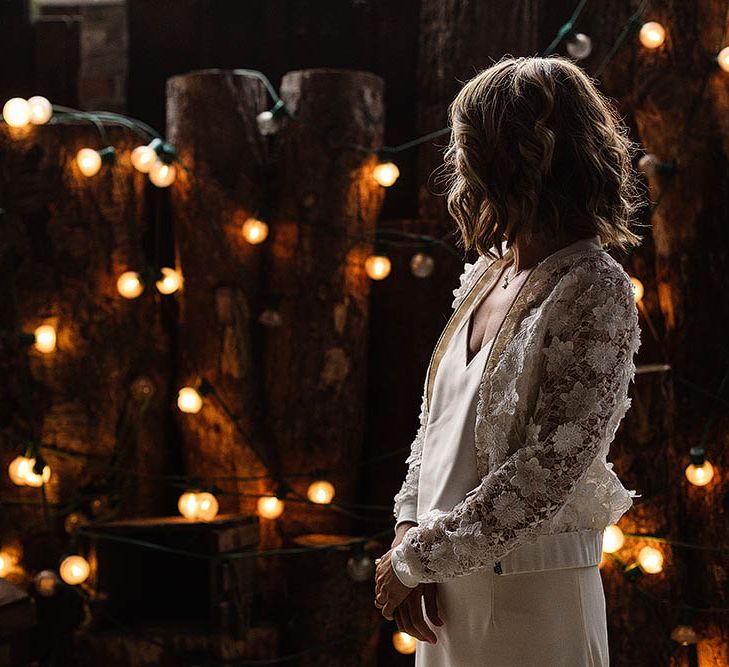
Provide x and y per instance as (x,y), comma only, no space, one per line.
(327,205)
(211,120)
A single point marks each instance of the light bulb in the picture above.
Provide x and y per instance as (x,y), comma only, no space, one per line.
(422,265)
(33,479)
(268,123)
(16,112)
(612,539)
(699,474)
(270,507)
(404,643)
(18,470)
(6,563)
(722,59)
(652,34)
(684,635)
(45,338)
(130,285)
(143,157)
(198,505)
(579,45)
(142,388)
(270,318)
(189,400)
(650,559)
(75,570)
(74,521)
(162,174)
(170,281)
(46,582)
(386,173)
(88,161)
(40,110)
(320,491)
(637,288)
(360,567)
(254,230)
(378,266)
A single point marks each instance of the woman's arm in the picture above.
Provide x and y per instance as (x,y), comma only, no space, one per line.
(587,366)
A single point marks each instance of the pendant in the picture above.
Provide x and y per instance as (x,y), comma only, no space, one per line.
(506,283)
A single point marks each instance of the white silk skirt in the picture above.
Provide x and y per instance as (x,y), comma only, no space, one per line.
(548,618)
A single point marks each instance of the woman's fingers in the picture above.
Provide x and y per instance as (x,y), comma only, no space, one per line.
(431,603)
(415,613)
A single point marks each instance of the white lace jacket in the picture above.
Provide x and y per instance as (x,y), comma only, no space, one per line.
(553,392)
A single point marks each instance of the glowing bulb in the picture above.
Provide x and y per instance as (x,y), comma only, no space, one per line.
(254,230)
(378,266)
(270,507)
(34,479)
(422,265)
(18,470)
(162,174)
(684,635)
(45,338)
(6,563)
(579,46)
(130,285)
(404,643)
(75,570)
(46,582)
(652,35)
(360,567)
(17,112)
(189,400)
(143,157)
(612,539)
(650,559)
(268,122)
(88,161)
(170,282)
(386,173)
(722,59)
(637,288)
(321,492)
(73,521)
(40,110)
(198,506)
(699,471)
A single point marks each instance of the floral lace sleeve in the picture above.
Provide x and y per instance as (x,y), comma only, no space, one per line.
(587,365)
(405,500)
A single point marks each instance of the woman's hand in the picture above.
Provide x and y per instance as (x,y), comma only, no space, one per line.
(389,590)
(409,615)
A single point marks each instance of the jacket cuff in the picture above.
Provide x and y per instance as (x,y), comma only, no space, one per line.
(408,511)
(402,571)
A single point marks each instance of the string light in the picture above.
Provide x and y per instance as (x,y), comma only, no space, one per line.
(41,110)
(254,230)
(16,112)
(143,157)
(386,173)
(170,282)
(46,583)
(45,338)
(699,472)
(378,266)
(7,562)
(320,491)
(270,507)
(722,59)
(130,285)
(142,388)
(198,505)
(189,400)
(359,565)
(74,521)
(75,569)
(22,472)
(578,45)
(269,122)
(652,34)
(684,635)
(637,288)
(17,470)
(422,265)
(612,539)
(162,174)
(650,559)
(404,643)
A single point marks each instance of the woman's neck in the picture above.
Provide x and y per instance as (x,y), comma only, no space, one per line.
(529,254)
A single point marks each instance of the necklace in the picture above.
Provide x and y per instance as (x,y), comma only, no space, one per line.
(507,278)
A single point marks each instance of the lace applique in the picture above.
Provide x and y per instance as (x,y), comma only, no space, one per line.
(587,364)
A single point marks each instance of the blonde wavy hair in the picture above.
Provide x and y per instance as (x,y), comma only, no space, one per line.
(537,149)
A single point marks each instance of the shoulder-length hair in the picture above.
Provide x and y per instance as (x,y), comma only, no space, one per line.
(534,139)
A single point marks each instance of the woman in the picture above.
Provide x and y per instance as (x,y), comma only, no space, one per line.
(500,518)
